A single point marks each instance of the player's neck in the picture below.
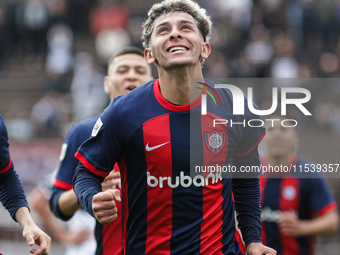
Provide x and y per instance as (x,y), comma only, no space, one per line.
(279,160)
(175,84)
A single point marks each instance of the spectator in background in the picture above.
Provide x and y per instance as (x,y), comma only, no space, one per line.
(259,51)
(32,18)
(59,60)
(108,20)
(87,93)
(49,114)
(285,64)
(59,12)
(108,15)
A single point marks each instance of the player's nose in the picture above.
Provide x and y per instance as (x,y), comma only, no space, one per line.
(132,75)
(175,34)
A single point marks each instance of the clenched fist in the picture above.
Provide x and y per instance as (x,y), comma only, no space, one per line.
(104,205)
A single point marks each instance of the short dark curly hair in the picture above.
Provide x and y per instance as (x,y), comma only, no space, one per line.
(169,6)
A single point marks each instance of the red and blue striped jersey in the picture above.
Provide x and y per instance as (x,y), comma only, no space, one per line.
(109,238)
(309,197)
(167,211)
(12,194)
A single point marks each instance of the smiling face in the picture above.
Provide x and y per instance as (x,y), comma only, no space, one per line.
(280,141)
(176,41)
(126,72)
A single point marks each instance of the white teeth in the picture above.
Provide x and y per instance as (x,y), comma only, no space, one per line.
(177,48)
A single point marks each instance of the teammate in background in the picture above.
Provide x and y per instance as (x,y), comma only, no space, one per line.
(295,207)
(12,196)
(127,70)
(148,133)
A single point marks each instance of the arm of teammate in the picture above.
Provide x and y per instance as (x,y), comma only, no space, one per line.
(67,203)
(40,204)
(12,194)
(32,233)
(291,225)
(101,205)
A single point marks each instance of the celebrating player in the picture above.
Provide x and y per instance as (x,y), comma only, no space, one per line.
(295,206)
(148,133)
(13,197)
(127,70)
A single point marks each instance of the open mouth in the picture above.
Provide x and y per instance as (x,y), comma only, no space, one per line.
(131,87)
(177,49)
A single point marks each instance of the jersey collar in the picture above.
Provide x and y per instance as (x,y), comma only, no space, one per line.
(172,107)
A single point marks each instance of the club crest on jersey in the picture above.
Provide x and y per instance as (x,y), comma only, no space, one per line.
(215,141)
(96,127)
(289,193)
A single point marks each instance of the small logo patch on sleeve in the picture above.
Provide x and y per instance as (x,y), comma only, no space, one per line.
(97,127)
(63,151)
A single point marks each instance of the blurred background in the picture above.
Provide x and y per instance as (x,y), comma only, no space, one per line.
(53,56)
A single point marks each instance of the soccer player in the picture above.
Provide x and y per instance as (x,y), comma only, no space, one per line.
(295,206)
(165,210)
(12,196)
(127,70)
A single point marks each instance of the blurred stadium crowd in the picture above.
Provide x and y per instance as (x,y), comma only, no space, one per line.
(250,39)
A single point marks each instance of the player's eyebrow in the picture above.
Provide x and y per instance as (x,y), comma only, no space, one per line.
(166,23)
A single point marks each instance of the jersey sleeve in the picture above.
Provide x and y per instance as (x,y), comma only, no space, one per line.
(245,185)
(102,150)
(321,196)
(5,159)
(98,155)
(12,194)
(68,163)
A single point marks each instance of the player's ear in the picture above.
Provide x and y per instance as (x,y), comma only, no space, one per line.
(107,87)
(206,49)
(149,56)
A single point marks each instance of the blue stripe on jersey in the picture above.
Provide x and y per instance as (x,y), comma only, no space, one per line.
(191,212)
(99,238)
(228,226)
(137,188)
(270,198)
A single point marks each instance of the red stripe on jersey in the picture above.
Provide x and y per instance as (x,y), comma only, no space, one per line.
(113,237)
(112,233)
(289,201)
(157,143)
(263,182)
(7,167)
(62,185)
(125,200)
(328,208)
(167,105)
(246,153)
(238,239)
(90,167)
(211,226)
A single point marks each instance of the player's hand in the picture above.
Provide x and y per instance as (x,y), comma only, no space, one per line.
(34,235)
(111,181)
(104,205)
(290,224)
(259,249)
